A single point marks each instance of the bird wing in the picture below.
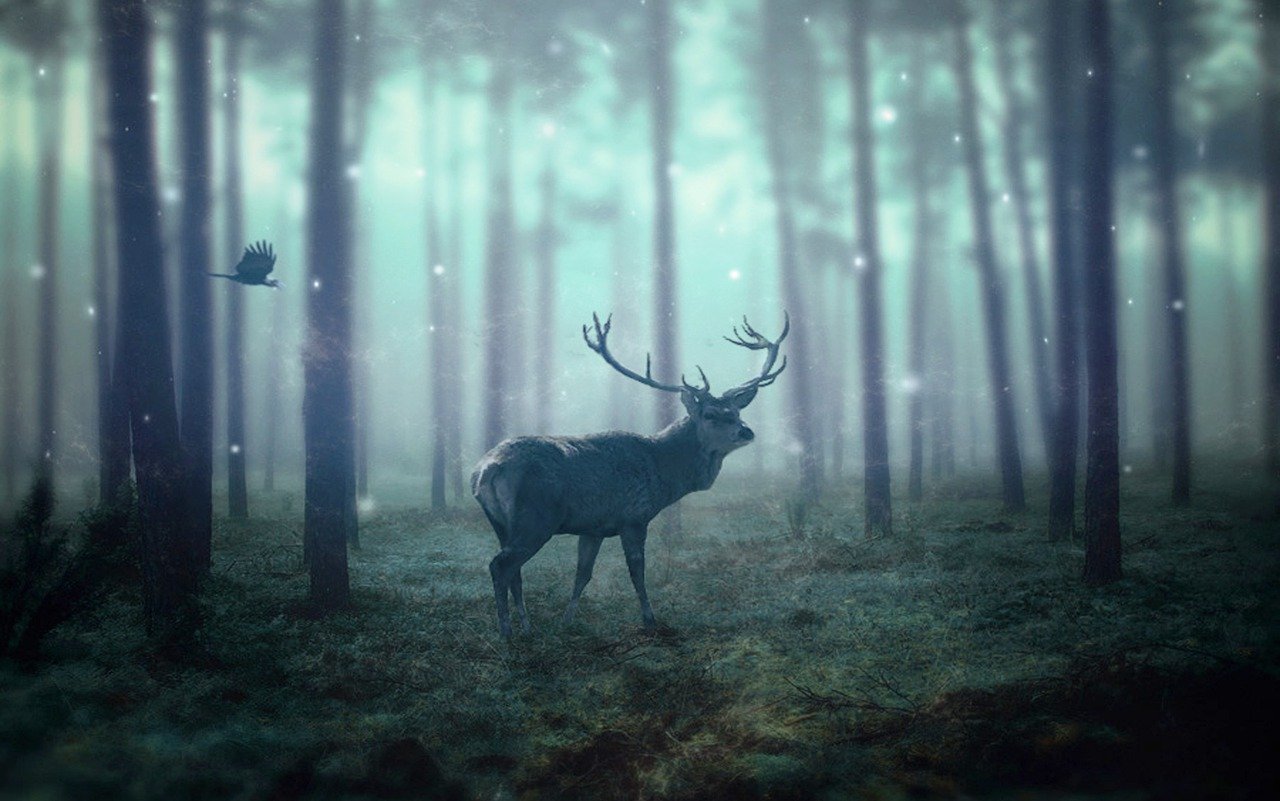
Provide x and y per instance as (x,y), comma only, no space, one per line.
(258,261)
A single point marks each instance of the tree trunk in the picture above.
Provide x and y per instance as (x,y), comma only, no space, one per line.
(992,284)
(1066,401)
(454,316)
(237,485)
(546,257)
(361,102)
(327,407)
(879,517)
(169,579)
(11,361)
(920,279)
(1102,472)
(1164,164)
(49,95)
(192,49)
(437,277)
(666,319)
(1271,232)
(780,36)
(499,266)
(1015,170)
(274,357)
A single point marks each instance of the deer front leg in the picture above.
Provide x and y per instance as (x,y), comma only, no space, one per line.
(588,548)
(633,547)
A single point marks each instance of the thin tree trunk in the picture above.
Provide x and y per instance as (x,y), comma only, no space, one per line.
(437,277)
(546,258)
(1234,321)
(49,92)
(920,278)
(1271,232)
(237,484)
(168,578)
(1015,170)
(274,357)
(1164,163)
(989,273)
(1066,401)
(1102,474)
(453,312)
(662,101)
(779,36)
(11,361)
(191,45)
(499,262)
(361,102)
(879,516)
(327,408)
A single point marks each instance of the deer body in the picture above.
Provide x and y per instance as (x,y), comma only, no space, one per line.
(608,484)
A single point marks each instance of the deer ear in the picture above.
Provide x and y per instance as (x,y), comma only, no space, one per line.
(691,403)
(741,398)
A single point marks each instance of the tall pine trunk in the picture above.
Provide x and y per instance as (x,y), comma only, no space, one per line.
(192,49)
(361,102)
(545,248)
(169,579)
(49,96)
(1015,171)
(1102,472)
(920,278)
(328,404)
(1066,386)
(11,359)
(781,29)
(499,259)
(879,515)
(662,102)
(992,284)
(453,313)
(1271,229)
(237,485)
(1164,164)
(437,276)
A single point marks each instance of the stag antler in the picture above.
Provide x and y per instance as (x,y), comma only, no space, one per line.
(754,340)
(601,347)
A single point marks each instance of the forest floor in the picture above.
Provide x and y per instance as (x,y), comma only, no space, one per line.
(794,659)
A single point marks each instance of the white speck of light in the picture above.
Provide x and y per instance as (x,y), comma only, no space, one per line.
(1005,197)
(146,418)
(154,98)
(910,384)
(41,72)
(674,169)
(315,284)
(421,173)
(806,20)
(548,129)
(734,275)
(37,271)
(431,328)
(956,138)
(438,269)
(1140,152)
(234,448)
(889,114)
(172,194)
(366,505)
(1178,305)
(859,263)
(353,171)
(91,311)
(1089,72)
(1128,468)
(902,76)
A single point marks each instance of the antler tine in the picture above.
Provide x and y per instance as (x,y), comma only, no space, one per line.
(706,385)
(601,347)
(767,374)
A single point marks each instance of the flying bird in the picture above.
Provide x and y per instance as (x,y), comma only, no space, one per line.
(255,265)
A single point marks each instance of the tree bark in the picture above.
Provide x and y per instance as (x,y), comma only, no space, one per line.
(49,96)
(169,579)
(499,262)
(1271,231)
(11,362)
(192,49)
(1102,473)
(1164,164)
(438,274)
(546,259)
(1066,402)
(666,318)
(237,484)
(1015,170)
(780,36)
(362,72)
(920,278)
(992,283)
(879,515)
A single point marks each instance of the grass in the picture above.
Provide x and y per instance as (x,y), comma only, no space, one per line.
(794,659)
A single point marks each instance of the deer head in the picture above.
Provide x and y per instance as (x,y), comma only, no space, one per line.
(716,418)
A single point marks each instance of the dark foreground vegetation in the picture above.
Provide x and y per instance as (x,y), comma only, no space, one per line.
(793,659)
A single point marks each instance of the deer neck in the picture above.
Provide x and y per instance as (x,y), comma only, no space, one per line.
(684,465)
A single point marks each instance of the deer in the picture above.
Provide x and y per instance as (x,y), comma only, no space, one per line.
(612,483)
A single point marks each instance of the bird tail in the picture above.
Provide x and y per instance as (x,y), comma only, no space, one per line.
(222,275)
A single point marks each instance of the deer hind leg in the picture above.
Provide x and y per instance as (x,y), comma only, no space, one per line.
(517,597)
(588,548)
(633,547)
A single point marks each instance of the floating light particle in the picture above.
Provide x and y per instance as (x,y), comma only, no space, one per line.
(438,269)
(734,275)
